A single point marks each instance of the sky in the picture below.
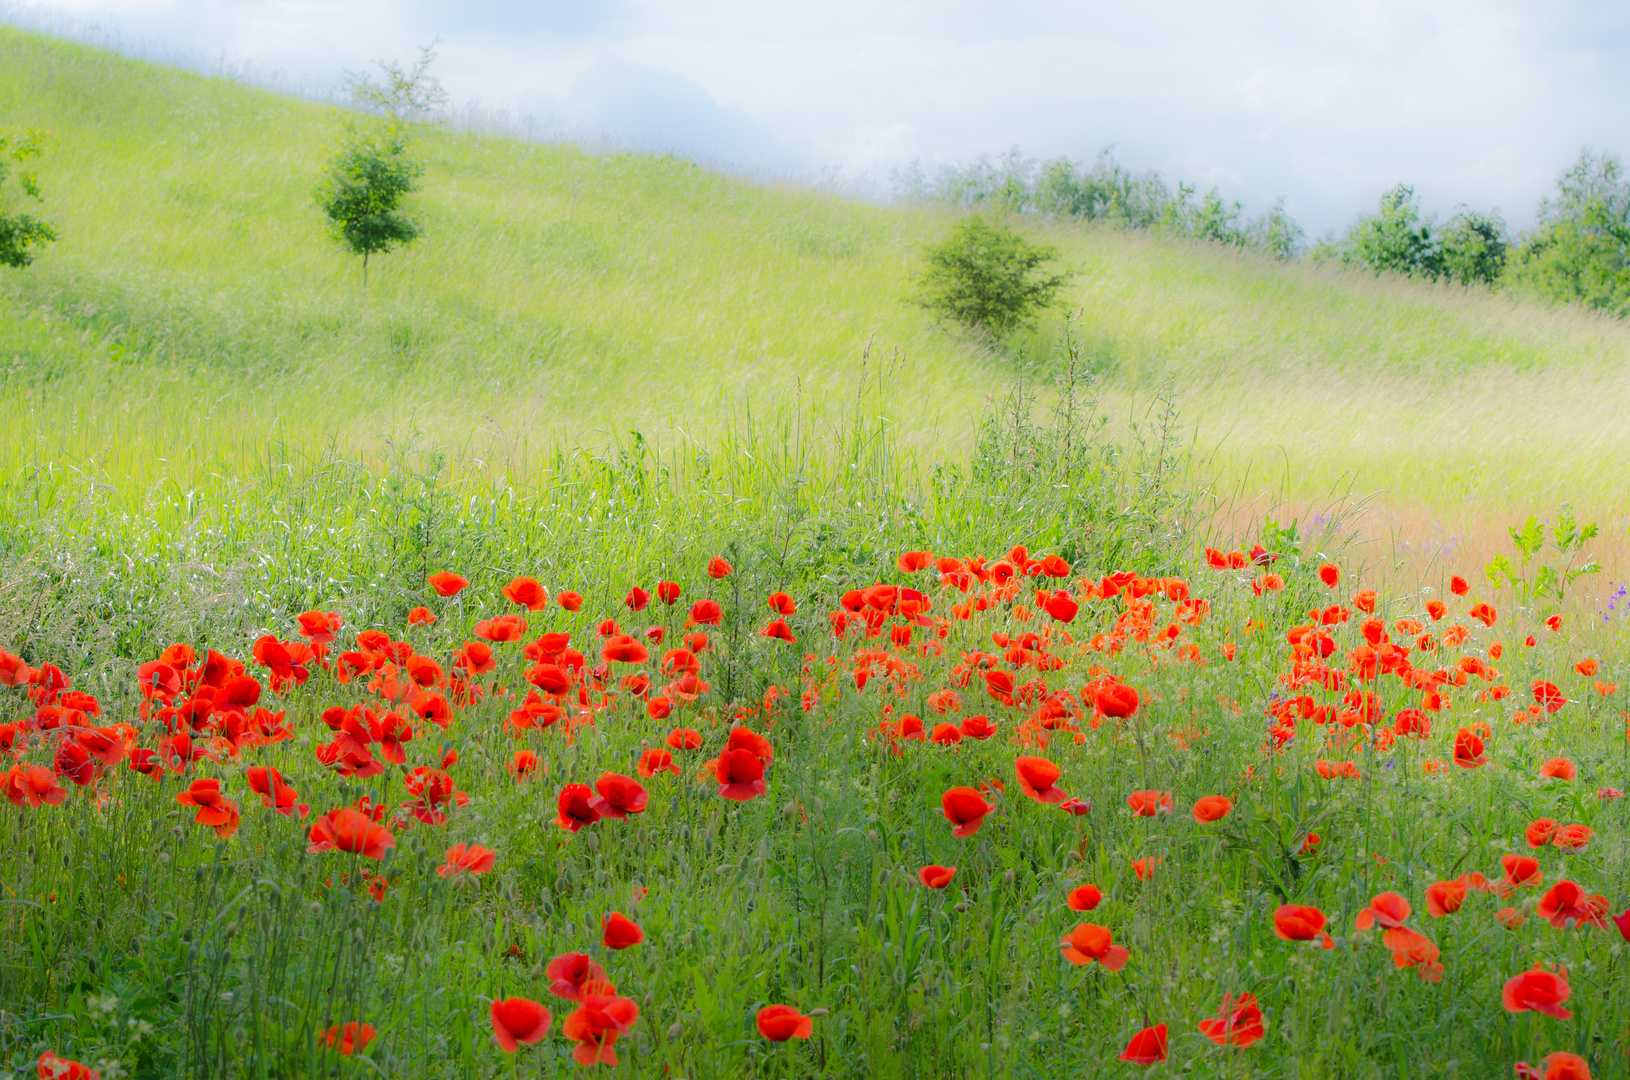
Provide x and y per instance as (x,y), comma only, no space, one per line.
(1325,105)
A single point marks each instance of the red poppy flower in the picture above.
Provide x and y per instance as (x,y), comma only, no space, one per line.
(32,785)
(935,876)
(527,592)
(1148,1047)
(1540,831)
(1116,700)
(778,1023)
(1037,778)
(742,738)
(214,808)
(1540,990)
(421,616)
(1150,803)
(707,613)
(1299,922)
(447,583)
(654,761)
(910,562)
(352,831)
(622,649)
(275,792)
(1576,836)
(740,774)
(1468,750)
(778,631)
(1521,871)
(977,727)
(685,739)
(570,601)
(659,708)
(569,973)
(619,796)
(1061,606)
(1388,908)
(1445,897)
(1411,948)
(595,1026)
(1484,614)
(503,628)
(1212,808)
(782,604)
(1089,943)
(965,809)
(1559,1065)
(467,859)
(668,592)
(519,1020)
(1238,1022)
(1547,696)
(1330,574)
(51,1067)
(1565,904)
(575,807)
(618,931)
(945,735)
(524,765)
(1084,898)
(717,568)
(350,1038)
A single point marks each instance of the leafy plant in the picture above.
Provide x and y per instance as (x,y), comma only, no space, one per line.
(406,93)
(362,190)
(988,277)
(367,179)
(19,231)
(1395,239)
(1531,579)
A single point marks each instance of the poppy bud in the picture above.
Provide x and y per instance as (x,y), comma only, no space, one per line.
(818,1012)
(675,1030)
(871,834)
(1007,878)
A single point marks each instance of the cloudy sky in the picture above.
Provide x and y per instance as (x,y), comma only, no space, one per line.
(1323,104)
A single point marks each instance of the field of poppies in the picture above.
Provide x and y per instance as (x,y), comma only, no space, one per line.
(569,657)
(809,802)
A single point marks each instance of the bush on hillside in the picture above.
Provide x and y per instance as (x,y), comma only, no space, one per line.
(1581,251)
(1470,248)
(361,190)
(1104,192)
(988,277)
(19,232)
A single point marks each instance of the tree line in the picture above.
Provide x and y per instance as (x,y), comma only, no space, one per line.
(1578,251)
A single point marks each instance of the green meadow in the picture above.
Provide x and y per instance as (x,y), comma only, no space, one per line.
(920,573)
(563,298)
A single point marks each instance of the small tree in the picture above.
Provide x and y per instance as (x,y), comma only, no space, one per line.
(1472,248)
(1395,239)
(988,277)
(361,190)
(19,232)
(406,94)
(367,179)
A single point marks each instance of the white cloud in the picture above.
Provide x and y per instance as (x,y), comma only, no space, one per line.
(1474,101)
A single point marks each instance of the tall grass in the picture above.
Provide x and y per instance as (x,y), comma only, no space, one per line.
(560,295)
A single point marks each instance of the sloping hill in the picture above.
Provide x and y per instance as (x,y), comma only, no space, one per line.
(193,308)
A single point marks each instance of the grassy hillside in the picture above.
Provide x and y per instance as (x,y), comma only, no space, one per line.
(193,307)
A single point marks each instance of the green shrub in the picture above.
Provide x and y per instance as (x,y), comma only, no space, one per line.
(988,277)
(19,231)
